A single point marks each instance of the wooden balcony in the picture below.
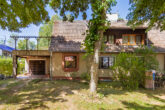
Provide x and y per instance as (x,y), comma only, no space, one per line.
(24,53)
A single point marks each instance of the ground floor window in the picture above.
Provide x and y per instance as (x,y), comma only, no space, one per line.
(70,62)
(106,62)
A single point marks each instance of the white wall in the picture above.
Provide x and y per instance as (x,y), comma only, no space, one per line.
(0,52)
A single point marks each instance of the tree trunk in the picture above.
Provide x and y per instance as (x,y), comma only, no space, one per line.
(95,59)
(95,65)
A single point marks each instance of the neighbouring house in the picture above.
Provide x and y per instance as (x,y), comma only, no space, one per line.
(65,57)
(5,50)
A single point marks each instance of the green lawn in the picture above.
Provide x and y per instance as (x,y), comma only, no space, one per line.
(72,95)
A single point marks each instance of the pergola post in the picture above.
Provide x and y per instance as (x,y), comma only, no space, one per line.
(15,43)
(27,44)
(14,66)
(37,42)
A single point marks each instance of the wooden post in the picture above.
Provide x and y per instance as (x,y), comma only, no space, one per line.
(37,42)
(27,43)
(14,66)
(51,65)
(15,43)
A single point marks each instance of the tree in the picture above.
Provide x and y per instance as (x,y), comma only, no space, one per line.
(97,26)
(21,13)
(22,45)
(16,14)
(46,31)
(150,11)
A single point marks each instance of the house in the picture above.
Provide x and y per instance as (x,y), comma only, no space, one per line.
(65,57)
(5,50)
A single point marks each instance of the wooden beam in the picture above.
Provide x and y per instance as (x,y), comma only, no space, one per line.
(14,66)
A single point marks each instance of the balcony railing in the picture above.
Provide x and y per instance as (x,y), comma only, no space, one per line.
(31,42)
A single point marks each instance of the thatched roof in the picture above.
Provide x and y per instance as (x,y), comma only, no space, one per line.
(68,37)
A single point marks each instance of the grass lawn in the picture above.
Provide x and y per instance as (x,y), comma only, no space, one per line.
(72,95)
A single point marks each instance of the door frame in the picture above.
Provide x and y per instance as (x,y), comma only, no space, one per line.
(36,60)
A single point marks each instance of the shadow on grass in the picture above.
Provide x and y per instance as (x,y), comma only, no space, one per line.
(135,106)
(114,88)
(38,92)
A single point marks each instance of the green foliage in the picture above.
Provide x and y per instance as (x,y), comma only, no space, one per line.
(149,57)
(22,45)
(85,76)
(98,23)
(75,7)
(152,11)
(6,66)
(46,31)
(21,66)
(130,68)
(21,13)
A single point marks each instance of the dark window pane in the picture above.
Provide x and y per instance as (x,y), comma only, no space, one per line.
(104,62)
(111,39)
(125,40)
(132,39)
(106,38)
(70,61)
(111,61)
(138,40)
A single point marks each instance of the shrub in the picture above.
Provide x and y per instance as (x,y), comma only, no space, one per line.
(85,76)
(130,68)
(6,66)
(21,66)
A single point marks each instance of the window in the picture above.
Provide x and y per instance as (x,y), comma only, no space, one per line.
(132,39)
(125,40)
(70,62)
(106,62)
(111,39)
(138,39)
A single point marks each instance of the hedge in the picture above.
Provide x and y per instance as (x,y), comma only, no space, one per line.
(6,66)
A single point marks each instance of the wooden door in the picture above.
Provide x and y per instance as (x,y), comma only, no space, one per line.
(37,67)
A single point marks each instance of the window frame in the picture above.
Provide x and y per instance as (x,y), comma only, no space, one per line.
(108,61)
(134,35)
(107,39)
(70,69)
(112,39)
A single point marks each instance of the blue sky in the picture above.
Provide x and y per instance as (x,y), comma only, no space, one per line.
(121,8)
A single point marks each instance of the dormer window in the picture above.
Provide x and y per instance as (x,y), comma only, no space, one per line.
(132,39)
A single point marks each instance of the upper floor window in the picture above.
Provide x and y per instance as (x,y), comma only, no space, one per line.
(110,39)
(106,62)
(132,39)
(70,62)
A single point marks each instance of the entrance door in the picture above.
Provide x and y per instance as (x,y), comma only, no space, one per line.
(37,67)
